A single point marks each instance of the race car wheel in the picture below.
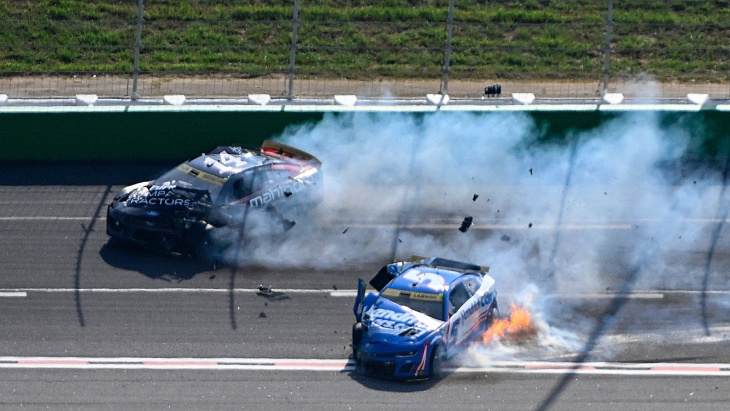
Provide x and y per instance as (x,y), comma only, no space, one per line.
(356,338)
(493,315)
(438,356)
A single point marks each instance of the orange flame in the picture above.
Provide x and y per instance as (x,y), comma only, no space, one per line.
(517,327)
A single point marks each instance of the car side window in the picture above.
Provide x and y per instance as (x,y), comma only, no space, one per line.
(458,296)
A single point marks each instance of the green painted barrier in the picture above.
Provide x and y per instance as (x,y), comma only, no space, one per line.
(134,136)
(121,135)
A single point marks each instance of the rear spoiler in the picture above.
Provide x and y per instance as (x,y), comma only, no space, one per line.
(445,263)
(289,151)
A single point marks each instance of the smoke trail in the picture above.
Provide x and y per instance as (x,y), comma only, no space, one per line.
(612,194)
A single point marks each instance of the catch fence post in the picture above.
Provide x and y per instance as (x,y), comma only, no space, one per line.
(293,57)
(607,48)
(137,48)
(447,49)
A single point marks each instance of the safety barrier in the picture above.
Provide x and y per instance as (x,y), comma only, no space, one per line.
(174,132)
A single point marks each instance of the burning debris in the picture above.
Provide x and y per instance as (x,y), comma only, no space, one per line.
(518,327)
(468,222)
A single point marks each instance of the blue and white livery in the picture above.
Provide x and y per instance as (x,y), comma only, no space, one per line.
(424,312)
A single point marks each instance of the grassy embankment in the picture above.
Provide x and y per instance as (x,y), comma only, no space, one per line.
(685,40)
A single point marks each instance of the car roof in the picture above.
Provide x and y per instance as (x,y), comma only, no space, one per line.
(225,161)
(403,283)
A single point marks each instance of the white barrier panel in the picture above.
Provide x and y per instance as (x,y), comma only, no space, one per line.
(345,99)
(260,99)
(174,99)
(698,99)
(3,99)
(613,98)
(523,98)
(437,99)
(86,99)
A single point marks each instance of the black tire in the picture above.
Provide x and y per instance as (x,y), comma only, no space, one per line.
(493,316)
(356,338)
(438,356)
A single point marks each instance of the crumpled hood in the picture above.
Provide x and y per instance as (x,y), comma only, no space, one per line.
(386,319)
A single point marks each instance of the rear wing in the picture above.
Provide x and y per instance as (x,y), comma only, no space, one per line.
(288,151)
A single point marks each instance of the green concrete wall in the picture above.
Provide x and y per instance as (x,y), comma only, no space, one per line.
(176,135)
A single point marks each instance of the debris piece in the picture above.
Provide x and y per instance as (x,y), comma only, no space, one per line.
(287,193)
(288,224)
(400,241)
(262,314)
(271,295)
(530,170)
(505,237)
(475,197)
(211,277)
(334,286)
(466,224)
(529,225)
(345,230)
(264,289)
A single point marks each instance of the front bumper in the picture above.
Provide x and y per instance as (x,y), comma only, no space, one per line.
(390,366)
(160,235)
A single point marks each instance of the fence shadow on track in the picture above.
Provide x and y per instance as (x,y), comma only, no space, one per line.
(157,266)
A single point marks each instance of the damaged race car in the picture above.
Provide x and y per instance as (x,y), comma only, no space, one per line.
(178,212)
(425,311)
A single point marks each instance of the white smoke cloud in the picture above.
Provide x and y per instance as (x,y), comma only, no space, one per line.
(620,203)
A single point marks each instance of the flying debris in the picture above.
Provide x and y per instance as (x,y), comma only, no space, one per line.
(345,230)
(262,314)
(530,170)
(475,197)
(466,224)
(529,225)
(505,237)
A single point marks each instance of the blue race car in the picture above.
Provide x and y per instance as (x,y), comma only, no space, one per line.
(425,311)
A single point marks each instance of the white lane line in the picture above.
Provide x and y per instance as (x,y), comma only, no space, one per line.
(49,218)
(638,296)
(347,365)
(647,294)
(13,294)
(344,293)
(340,293)
(332,293)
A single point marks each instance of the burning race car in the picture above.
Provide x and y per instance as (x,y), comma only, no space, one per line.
(178,211)
(425,311)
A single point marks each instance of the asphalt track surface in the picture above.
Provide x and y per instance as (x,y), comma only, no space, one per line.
(85,324)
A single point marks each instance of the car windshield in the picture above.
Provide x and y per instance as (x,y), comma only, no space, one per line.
(431,304)
(189,177)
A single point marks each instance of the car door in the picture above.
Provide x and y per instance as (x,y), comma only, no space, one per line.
(459,317)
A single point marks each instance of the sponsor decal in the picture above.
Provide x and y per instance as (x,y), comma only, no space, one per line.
(158,195)
(392,292)
(276,193)
(394,320)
